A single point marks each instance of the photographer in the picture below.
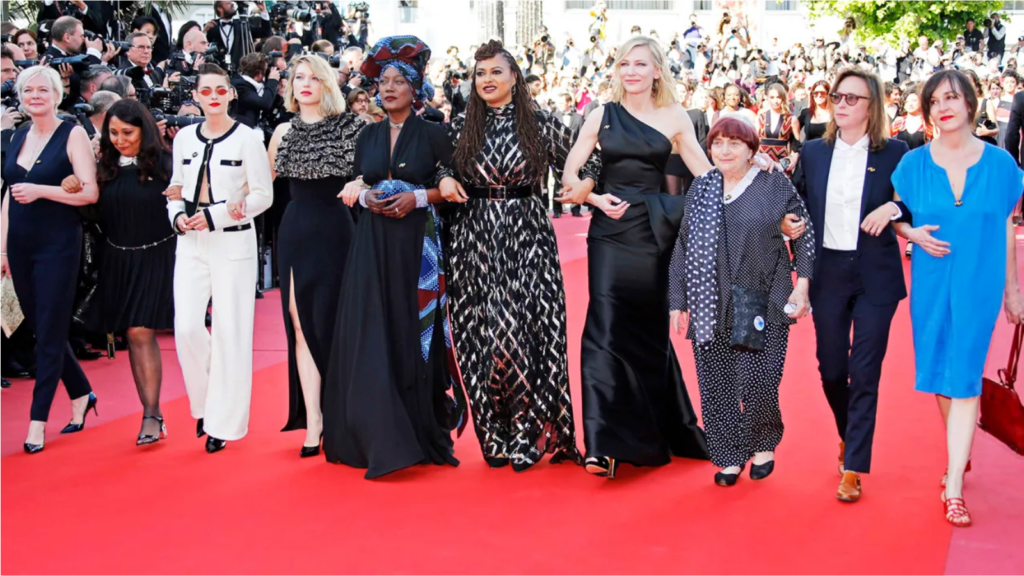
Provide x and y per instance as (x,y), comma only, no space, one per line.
(192,55)
(255,87)
(234,34)
(121,86)
(67,38)
(90,80)
(323,22)
(139,66)
(95,16)
(100,102)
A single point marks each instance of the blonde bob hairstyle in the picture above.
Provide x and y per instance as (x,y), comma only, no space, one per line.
(878,121)
(46,72)
(332,102)
(664,88)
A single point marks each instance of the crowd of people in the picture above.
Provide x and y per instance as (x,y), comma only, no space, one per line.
(417,263)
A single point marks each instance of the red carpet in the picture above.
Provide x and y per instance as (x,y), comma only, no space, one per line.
(258,508)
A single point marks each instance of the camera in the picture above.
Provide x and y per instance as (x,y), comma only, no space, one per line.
(25,63)
(124,46)
(593,39)
(90,35)
(456,75)
(9,94)
(334,61)
(5,38)
(177,121)
(360,9)
(56,62)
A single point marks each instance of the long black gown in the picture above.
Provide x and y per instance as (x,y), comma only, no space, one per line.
(385,402)
(635,405)
(314,238)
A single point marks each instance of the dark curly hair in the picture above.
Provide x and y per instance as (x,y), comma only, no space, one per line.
(152,158)
(528,128)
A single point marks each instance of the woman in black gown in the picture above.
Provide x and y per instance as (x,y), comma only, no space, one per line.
(41,237)
(386,405)
(314,151)
(635,405)
(136,281)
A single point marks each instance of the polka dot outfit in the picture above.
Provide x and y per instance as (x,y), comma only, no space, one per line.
(739,390)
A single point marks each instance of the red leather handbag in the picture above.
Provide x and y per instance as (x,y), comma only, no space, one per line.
(1002,414)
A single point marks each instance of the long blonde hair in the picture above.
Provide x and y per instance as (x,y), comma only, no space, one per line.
(332,102)
(663,89)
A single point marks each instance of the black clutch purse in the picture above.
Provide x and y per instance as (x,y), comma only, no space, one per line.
(749,318)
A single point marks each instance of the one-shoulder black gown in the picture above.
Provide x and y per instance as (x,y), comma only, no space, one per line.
(635,405)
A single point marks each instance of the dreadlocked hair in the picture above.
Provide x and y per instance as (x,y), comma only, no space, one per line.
(528,128)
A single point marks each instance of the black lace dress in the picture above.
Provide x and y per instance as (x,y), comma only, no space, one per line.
(314,237)
(508,300)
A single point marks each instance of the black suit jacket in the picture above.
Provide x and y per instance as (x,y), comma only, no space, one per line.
(700,127)
(881,268)
(250,106)
(162,48)
(258,28)
(1011,140)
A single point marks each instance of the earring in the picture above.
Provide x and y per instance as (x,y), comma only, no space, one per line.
(514,87)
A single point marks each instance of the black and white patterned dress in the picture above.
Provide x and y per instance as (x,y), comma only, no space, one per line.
(508,301)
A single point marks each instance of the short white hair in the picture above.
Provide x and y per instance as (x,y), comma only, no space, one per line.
(45,71)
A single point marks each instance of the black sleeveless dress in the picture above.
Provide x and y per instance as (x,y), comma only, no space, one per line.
(635,405)
(314,238)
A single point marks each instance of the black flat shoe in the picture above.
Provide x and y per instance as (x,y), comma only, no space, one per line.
(5,383)
(146,439)
(498,462)
(601,466)
(723,479)
(762,471)
(199,429)
(33,448)
(84,353)
(72,428)
(215,445)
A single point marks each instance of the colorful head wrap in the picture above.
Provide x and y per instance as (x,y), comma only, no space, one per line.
(407,54)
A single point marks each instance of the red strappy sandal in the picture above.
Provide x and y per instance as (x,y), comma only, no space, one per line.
(956,511)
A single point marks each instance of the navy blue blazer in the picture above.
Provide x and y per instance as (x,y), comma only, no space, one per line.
(881,268)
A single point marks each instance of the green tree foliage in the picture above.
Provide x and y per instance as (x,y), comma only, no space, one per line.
(892,20)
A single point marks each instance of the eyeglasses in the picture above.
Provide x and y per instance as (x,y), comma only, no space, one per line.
(820,94)
(851,99)
(221,91)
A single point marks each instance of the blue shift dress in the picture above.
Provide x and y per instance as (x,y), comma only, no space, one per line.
(955,300)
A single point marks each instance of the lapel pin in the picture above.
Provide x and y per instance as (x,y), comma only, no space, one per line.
(871,169)
(194,154)
(607,126)
(402,165)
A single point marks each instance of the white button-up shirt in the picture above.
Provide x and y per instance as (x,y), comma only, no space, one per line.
(844,193)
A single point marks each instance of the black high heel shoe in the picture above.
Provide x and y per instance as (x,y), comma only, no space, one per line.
(602,466)
(33,448)
(310,451)
(724,479)
(215,445)
(146,439)
(199,429)
(72,428)
(762,471)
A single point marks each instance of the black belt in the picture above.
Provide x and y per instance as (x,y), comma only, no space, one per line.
(502,193)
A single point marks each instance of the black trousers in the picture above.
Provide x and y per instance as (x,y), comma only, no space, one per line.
(850,371)
(44,279)
(739,396)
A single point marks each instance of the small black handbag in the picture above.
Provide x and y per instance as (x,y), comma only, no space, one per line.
(749,311)
(749,318)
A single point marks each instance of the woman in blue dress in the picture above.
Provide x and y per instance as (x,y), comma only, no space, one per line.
(961,192)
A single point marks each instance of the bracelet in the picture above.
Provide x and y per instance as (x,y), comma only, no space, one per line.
(421,198)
